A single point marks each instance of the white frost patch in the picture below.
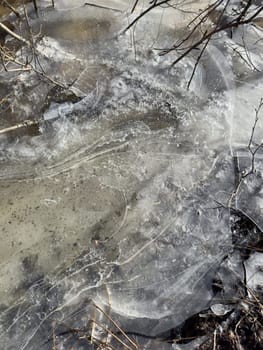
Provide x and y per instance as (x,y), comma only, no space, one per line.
(220,309)
(254,271)
(51,49)
(57,110)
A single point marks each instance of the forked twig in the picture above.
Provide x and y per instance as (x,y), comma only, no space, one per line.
(250,147)
(253,154)
(150,8)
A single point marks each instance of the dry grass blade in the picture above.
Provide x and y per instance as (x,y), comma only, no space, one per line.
(214,340)
(116,325)
(4,99)
(54,347)
(107,330)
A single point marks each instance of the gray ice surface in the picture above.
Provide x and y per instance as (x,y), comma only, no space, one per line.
(122,200)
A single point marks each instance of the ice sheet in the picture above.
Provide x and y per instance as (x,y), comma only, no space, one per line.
(123,197)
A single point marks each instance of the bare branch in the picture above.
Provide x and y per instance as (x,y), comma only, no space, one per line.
(11,8)
(202,31)
(24,124)
(14,35)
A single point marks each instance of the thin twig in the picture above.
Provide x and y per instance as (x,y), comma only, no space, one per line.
(35,6)
(253,154)
(29,66)
(196,64)
(134,6)
(212,33)
(6,3)
(149,9)
(101,345)
(250,148)
(103,7)
(24,124)
(206,13)
(205,46)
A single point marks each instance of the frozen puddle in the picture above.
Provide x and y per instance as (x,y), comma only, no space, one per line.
(122,199)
